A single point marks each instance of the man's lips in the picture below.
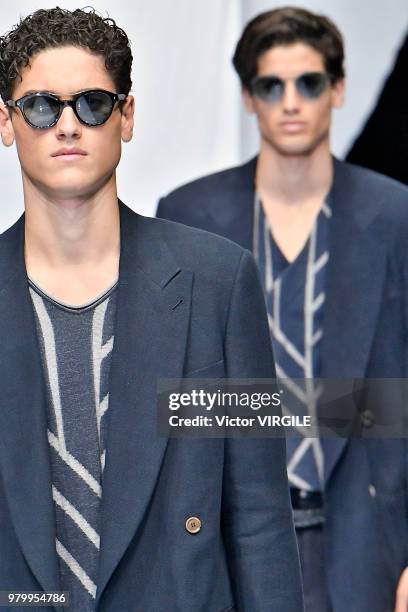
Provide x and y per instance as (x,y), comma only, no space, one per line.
(67,153)
(292,126)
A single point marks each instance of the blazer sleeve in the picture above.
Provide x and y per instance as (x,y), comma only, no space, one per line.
(256,515)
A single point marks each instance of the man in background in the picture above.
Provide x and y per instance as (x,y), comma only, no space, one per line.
(330,242)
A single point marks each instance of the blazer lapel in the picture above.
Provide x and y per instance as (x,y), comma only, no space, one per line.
(355,277)
(24,453)
(150,339)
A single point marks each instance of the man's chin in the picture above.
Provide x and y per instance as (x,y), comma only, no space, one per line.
(70,189)
(297,147)
(69,192)
(296,151)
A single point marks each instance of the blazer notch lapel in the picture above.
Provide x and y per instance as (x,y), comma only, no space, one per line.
(356,276)
(150,343)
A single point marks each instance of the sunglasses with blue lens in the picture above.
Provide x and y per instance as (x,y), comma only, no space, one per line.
(309,85)
(42,110)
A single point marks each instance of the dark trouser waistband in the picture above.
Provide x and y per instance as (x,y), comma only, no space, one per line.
(308,508)
(305,500)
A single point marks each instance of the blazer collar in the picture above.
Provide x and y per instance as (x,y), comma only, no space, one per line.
(150,338)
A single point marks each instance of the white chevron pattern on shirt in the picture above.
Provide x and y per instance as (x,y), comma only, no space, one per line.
(99,352)
(76,516)
(51,358)
(309,395)
(75,568)
(58,443)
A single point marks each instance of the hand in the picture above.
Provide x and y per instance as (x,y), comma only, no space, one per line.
(401,599)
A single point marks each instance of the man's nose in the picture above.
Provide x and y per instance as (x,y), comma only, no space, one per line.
(68,125)
(290,98)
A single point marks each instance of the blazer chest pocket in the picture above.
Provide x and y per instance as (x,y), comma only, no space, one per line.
(215,369)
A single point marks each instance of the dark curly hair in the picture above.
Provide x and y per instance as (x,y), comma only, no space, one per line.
(286,26)
(56,27)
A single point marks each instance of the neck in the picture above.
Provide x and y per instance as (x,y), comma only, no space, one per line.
(296,179)
(70,232)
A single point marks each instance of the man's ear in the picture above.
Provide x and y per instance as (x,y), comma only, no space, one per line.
(248,100)
(6,126)
(128,111)
(338,93)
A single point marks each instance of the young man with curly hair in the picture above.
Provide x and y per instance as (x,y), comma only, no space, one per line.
(96,304)
(330,240)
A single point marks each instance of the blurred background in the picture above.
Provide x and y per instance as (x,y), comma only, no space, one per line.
(189,116)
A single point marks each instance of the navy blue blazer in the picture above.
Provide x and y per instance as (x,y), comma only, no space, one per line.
(365,335)
(189,303)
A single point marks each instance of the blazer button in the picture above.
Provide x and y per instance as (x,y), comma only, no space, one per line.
(367,418)
(193,524)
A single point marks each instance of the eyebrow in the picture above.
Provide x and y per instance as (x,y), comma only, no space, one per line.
(27,93)
(34,91)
